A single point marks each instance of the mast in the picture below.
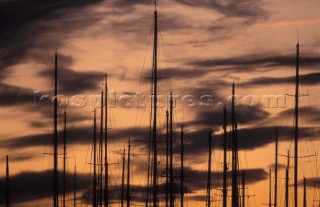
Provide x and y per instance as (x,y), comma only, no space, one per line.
(243,189)
(55,137)
(101,151)
(122,177)
(235,196)
(182,169)
(296,131)
(128,176)
(225,167)
(75,187)
(7,182)
(64,158)
(155,93)
(167,159)
(209,171)
(106,165)
(94,197)
(276,171)
(149,159)
(171,152)
(304,192)
(287,182)
(270,191)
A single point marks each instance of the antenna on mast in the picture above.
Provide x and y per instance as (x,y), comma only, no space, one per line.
(298,36)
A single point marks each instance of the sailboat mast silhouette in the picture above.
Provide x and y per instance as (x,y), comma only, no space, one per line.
(225,166)
(209,169)
(94,190)
(296,130)
(64,159)
(235,190)
(55,137)
(106,171)
(182,168)
(155,93)
(128,175)
(101,152)
(7,199)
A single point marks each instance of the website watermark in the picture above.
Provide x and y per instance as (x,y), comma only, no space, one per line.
(141,100)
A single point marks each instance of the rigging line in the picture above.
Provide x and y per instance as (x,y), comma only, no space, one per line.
(142,69)
(305,142)
(113,144)
(165,57)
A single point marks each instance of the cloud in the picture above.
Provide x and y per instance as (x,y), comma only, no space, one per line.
(306,79)
(73,82)
(255,62)
(244,8)
(280,166)
(252,138)
(214,116)
(139,27)
(13,95)
(37,124)
(249,9)
(196,142)
(69,82)
(124,3)
(35,24)
(18,157)
(75,135)
(309,113)
(311,182)
(29,186)
(191,186)
(79,135)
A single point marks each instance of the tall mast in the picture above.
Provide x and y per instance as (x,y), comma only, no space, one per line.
(270,191)
(237,160)
(167,159)
(287,182)
(276,171)
(55,137)
(225,167)
(209,170)
(101,152)
(122,177)
(64,157)
(287,189)
(304,192)
(148,197)
(243,189)
(106,165)
(171,152)
(296,131)
(7,182)
(128,176)
(235,196)
(75,187)
(94,197)
(155,93)
(182,169)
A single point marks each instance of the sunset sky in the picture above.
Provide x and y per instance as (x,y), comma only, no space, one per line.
(204,46)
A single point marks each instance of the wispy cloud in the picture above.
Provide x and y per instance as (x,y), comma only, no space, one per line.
(27,22)
(30,185)
(307,79)
(255,63)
